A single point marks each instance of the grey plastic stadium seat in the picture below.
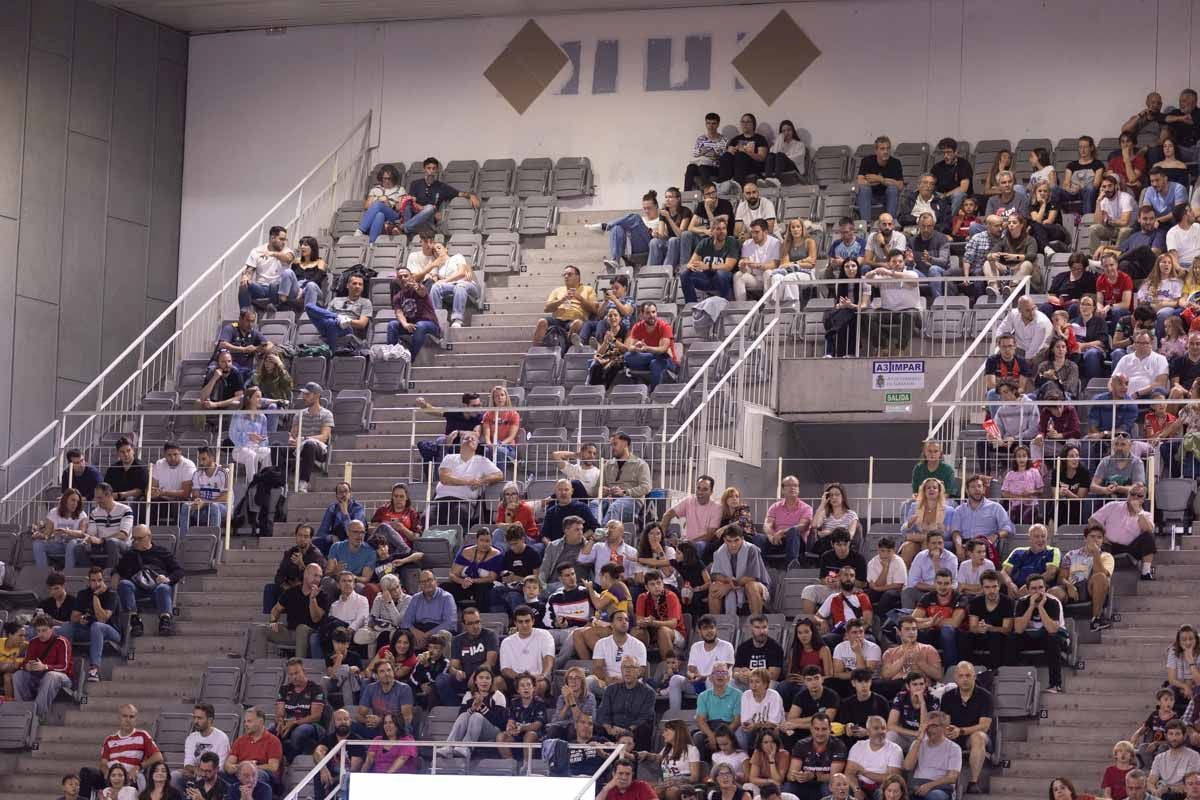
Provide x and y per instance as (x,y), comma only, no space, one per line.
(992,146)
(913,156)
(698,353)
(533,177)
(278,331)
(386,256)
(262,683)
(496,177)
(459,217)
(831,164)
(220,683)
(626,394)
(468,245)
(540,369)
(573,177)
(349,250)
(544,406)
(155,427)
(345,222)
(502,254)
(499,214)
(388,376)
(797,201)
(576,364)
(461,175)
(586,396)
(837,201)
(198,550)
(347,372)
(539,216)
(380,292)
(414,173)
(352,409)
(655,284)
(733,313)
(947,318)
(309,368)
(190,374)
(18,726)
(1017,692)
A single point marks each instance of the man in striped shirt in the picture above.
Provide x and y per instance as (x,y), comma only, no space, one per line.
(131,747)
(108,532)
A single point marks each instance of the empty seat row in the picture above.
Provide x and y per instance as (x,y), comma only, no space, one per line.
(570,176)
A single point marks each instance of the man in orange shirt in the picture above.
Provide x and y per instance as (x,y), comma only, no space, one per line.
(651,345)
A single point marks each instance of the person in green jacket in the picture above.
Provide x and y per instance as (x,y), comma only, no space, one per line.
(932,466)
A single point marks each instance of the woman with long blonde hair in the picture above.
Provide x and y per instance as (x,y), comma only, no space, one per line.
(929,514)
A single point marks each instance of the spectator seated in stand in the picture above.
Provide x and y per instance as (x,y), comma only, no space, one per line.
(46,669)
(298,712)
(1037,619)
(914,704)
(711,266)
(745,155)
(634,229)
(1128,526)
(933,760)
(258,749)
(266,276)
(244,342)
(880,180)
(130,748)
(430,195)
(940,614)
(740,577)
(1038,558)
(753,206)
(989,625)
(148,572)
(462,479)
(706,154)
(416,316)
(568,307)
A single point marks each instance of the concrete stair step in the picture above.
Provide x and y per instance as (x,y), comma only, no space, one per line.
(369,463)
(1117,703)
(204,640)
(1144,620)
(256,556)
(1173,587)
(497,373)
(524,320)
(103,710)
(1096,716)
(1008,785)
(456,387)
(1105,668)
(38,778)
(1087,739)
(1190,557)
(1052,768)
(223,598)
(510,358)
(496,332)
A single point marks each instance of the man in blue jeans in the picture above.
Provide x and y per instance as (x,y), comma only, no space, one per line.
(880,177)
(429,194)
(267,274)
(651,345)
(148,571)
(415,314)
(711,266)
(632,228)
(94,609)
(347,319)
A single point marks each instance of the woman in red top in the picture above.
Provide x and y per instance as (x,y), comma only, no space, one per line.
(808,650)
(513,510)
(500,428)
(1063,789)
(398,518)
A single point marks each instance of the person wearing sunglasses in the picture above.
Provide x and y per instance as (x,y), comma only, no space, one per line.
(1129,528)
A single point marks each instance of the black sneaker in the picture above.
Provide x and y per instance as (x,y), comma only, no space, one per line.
(164,626)
(974,788)
(1054,688)
(1100,624)
(135,626)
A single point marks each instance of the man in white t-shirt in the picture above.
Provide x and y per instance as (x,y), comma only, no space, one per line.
(209,498)
(608,652)
(874,759)
(898,316)
(1146,370)
(855,651)
(204,738)
(266,275)
(580,468)
(701,658)
(760,255)
(886,576)
(700,512)
(171,482)
(462,478)
(752,206)
(1183,240)
(529,650)
(1114,213)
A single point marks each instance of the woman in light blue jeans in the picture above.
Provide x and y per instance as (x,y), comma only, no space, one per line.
(63,524)
(383,203)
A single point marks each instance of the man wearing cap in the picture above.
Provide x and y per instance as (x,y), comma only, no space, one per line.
(313,430)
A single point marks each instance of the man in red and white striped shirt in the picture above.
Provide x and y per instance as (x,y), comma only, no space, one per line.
(131,747)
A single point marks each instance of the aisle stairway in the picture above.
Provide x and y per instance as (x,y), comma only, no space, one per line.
(216,608)
(1111,696)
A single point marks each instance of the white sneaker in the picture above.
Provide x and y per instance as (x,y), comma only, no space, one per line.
(1049,251)
(598,227)
(303,489)
(463,752)
(357,232)
(612,264)
(456,323)
(446,752)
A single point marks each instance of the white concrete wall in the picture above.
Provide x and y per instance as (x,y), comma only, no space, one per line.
(263,108)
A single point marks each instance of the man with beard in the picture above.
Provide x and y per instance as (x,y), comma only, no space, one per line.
(330,774)
(204,738)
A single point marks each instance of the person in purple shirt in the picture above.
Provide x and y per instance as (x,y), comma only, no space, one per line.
(415,315)
(429,194)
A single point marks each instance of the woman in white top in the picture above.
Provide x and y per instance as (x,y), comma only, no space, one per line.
(787,154)
(729,753)
(1182,659)
(65,523)
(679,760)
(118,785)
(653,554)
(1043,169)
(384,202)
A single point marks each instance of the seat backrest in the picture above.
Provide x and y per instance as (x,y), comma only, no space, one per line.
(436,549)
(198,551)
(533,177)
(496,177)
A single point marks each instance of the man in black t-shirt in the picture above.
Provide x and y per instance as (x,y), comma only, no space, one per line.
(330,773)
(475,647)
(760,651)
(1185,369)
(880,178)
(952,175)
(814,759)
(989,624)
(841,555)
(701,222)
(298,711)
(854,710)
(92,620)
(815,698)
(970,709)
(58,605)
(520,561)
(1037,620)
(457,423)
(304,606)
(912,703)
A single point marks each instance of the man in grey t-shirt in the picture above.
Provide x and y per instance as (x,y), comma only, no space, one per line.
(933,761)
(346,321)
(313,430)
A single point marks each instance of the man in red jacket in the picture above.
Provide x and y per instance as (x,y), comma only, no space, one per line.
(47,668)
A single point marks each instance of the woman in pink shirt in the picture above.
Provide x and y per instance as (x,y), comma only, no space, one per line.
(391,756)
(1022,483)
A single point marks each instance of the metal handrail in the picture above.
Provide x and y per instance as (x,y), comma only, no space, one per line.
(184,295)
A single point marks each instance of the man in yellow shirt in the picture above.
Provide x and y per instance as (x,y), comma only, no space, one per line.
(569,306)
(12,652)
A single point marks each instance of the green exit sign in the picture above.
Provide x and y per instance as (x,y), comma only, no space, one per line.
(897,397)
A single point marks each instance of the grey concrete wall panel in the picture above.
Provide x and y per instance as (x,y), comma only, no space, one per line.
(53,26)
(173,46)
(166,201)
(35,349)
(92,65)
(132,154)
(8,277)
(43,184)
(83,258)
(125,256)
(14,61)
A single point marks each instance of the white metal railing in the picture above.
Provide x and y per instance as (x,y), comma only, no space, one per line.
(966,375)
(190,323)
